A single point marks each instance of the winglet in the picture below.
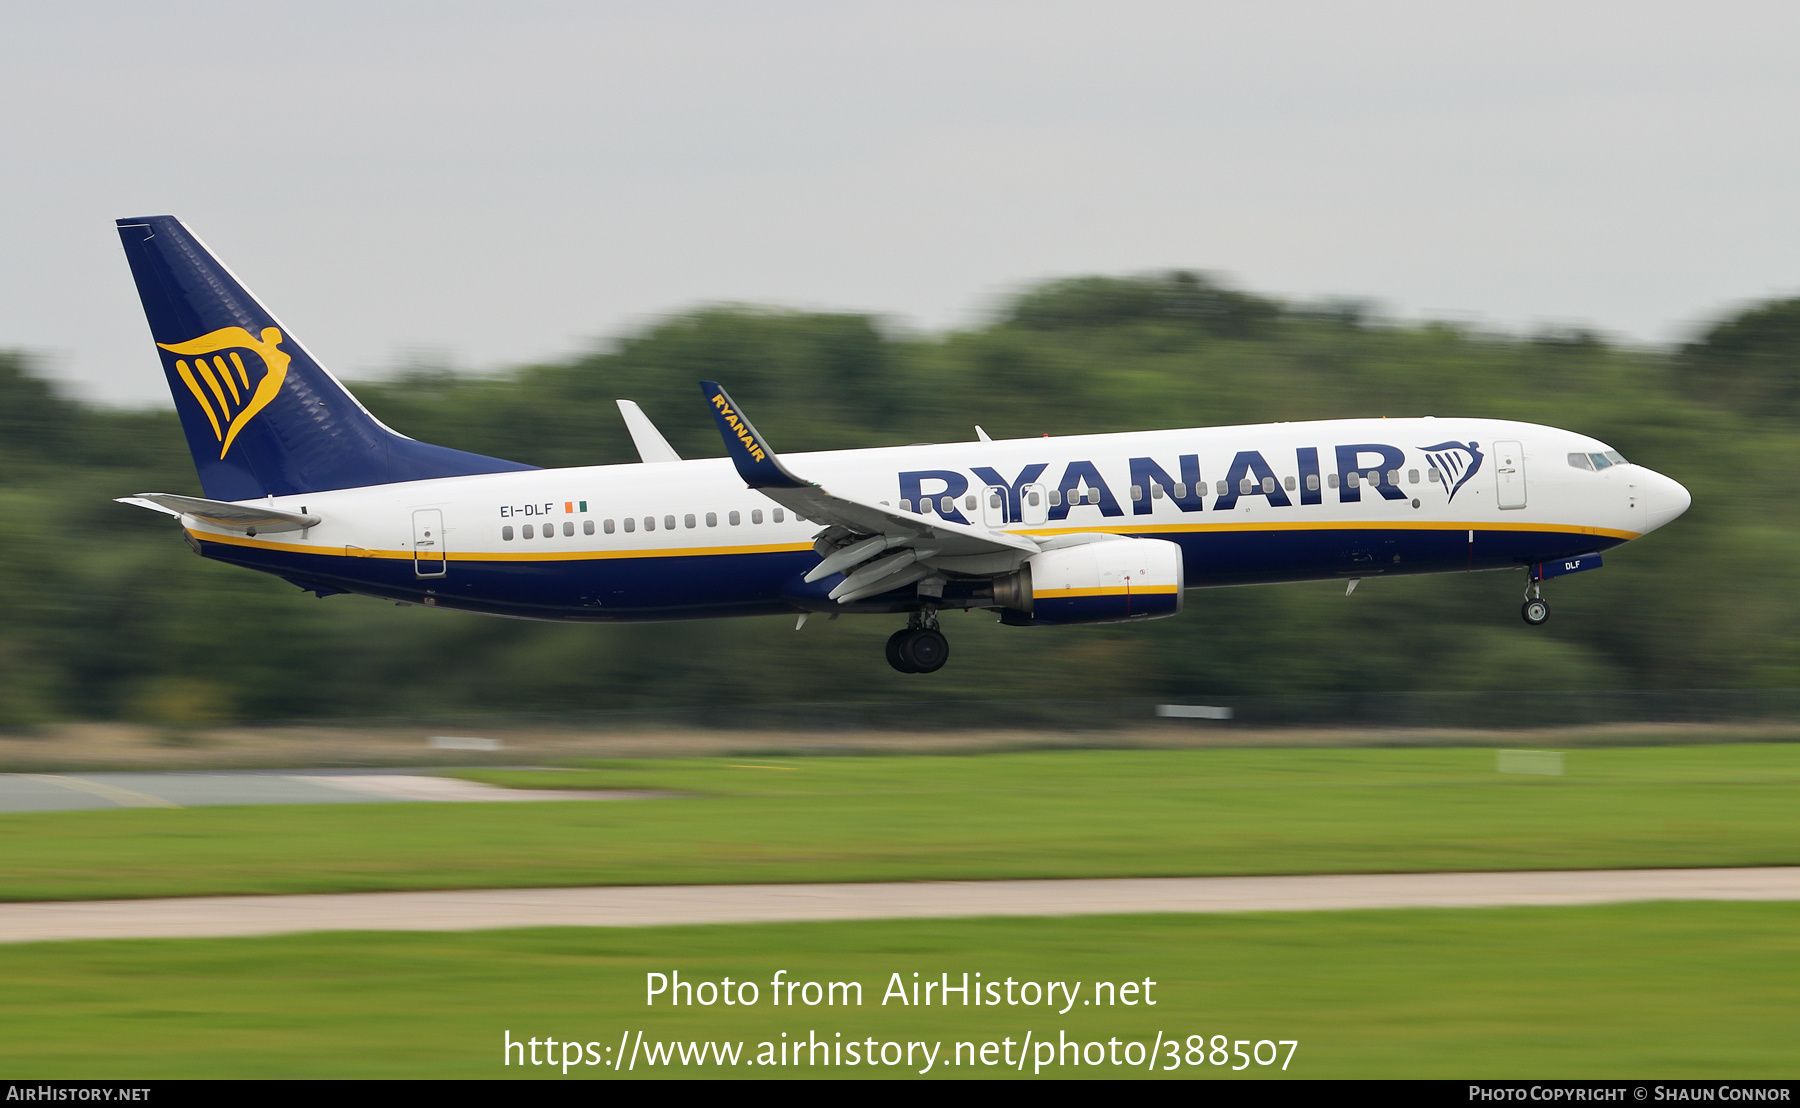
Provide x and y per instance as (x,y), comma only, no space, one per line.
(651,446)
(750,452)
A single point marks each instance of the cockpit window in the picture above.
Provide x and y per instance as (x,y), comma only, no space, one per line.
(1599,459)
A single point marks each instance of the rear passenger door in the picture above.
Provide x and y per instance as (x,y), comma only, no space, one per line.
(428,543)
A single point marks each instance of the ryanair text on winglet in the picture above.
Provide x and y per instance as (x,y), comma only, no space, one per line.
(743,432)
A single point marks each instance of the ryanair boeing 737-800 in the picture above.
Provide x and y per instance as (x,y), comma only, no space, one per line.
(302,482)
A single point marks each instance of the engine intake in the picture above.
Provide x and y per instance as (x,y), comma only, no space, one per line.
(1099,582)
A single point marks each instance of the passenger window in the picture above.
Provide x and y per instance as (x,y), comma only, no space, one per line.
(969,502)
(1137,492)
(607,526)
(1412,476)
(994,500)
(756,515)
(1181,489)
(1375,478)
(550,530)
(778,516)
(1352,480)
(734,519)
(1435,475)
(1093,496)
(568,530)
(1289,484)
(947,505)
(649,523)
(1244,486)
(1394,478)
(1156,491)
(906,505)
(1223,488)
(630,525)
(587,526)
(1331,481)
(1031,498)
(712,519)
(528,531)
(506,533)
(689,521)
(668,523)
(1268,484)
(1312,482)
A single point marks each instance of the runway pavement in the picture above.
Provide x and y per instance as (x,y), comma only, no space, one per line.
(686,904)
(42,792)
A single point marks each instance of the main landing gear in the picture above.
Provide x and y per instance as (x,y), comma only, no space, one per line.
(919,647)
(1535,610)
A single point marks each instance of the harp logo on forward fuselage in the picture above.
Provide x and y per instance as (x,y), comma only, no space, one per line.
(232,374)
(1457,461)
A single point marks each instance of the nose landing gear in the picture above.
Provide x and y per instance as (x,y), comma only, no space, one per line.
(919,647)
(1535,610)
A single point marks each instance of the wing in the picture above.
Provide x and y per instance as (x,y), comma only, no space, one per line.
(248,518)
(878,548)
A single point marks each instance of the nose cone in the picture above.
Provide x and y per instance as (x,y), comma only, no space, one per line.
(1662,498)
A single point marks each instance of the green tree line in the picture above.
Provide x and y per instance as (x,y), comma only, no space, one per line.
(104,613)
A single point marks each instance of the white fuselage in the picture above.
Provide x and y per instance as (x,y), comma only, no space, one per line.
(687,538)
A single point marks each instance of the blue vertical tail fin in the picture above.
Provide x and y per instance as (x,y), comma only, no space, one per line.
(262,417)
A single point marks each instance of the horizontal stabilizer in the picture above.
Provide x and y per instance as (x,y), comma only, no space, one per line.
(248,518)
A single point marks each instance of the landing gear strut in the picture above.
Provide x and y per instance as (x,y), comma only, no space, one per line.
(919,647)
(1535,610)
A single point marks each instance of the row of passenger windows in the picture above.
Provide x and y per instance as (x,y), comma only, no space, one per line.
(1246,487)
(630,524)
(1600,460)
(947,504)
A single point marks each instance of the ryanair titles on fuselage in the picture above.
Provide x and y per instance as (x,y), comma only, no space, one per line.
(1378,465)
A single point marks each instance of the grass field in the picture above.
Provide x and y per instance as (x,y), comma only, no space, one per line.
(1665,990)
(1045,814)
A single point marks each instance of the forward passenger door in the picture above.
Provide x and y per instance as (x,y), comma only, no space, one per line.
(1509,472)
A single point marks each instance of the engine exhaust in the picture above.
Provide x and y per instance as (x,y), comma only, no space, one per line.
(1014,590)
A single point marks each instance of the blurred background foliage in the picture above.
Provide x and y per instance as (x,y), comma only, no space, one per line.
(104,613)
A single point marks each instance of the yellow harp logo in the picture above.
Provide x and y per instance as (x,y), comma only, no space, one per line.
(223,387)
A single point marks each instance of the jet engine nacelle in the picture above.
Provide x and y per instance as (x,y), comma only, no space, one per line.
(1109,581)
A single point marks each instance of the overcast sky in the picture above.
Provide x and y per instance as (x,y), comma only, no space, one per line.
(495,183)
